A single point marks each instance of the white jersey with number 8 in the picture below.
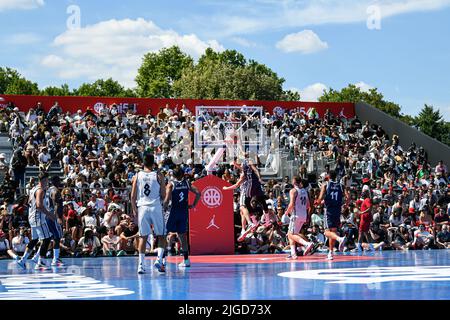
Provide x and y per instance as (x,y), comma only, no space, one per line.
(148,189)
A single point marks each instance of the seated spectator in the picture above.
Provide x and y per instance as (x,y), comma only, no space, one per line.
(68,245)
(45,159)
(19,243)
(422,238)
(111,244)
(443,238)
(89,245)
(89,219)
(5,249)
(74,224)
(129,238)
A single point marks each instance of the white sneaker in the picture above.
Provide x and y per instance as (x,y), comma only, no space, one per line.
(141,269)
(35,259)
(40,266)
(330,256)
(342,244)
(185,264)
(21,264)
(308,249)
(57,263)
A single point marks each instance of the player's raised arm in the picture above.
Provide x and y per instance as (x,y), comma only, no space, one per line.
(323,190)
(292,196)
(237,184)
(197,195)
(134,196)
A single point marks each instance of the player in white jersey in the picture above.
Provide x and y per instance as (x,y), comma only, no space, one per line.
(147,193)
(298,209)
(37,219)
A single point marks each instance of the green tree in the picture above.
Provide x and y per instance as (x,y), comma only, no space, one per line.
(431,123)
(354,94)
(57,91)
(228,75)
(104,88)
(160,70)
(12,82)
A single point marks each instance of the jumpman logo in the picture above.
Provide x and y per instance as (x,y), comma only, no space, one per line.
(212,223)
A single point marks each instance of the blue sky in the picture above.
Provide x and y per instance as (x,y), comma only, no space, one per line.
(312,44)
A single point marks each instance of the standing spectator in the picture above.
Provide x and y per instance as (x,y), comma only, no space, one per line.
(18,165)
(365,219)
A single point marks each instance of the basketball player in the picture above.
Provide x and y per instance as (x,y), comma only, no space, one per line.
(147,193)
(54,204)
(38,222)
(251,183)
(177,193)
(333,194)
(298,209)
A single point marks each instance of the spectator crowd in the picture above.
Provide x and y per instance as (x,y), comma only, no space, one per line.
(98,153)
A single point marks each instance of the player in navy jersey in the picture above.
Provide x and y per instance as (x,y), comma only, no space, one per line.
(333,195)
(177,193)
(251,187)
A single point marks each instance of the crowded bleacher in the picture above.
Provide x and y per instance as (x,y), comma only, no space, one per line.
(96,156)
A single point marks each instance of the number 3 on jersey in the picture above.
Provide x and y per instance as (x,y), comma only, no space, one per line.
(147,190)
(181,197)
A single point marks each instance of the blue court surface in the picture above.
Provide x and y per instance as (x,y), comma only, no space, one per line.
(382,275)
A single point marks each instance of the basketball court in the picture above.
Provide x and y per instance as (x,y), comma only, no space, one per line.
(390,275)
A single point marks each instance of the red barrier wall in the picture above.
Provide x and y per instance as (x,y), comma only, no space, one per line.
(142,105)
(211,222)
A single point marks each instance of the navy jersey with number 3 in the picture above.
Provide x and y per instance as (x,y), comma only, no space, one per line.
(334,195)
(180,194)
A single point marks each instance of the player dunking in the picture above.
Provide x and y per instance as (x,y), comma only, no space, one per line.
(332,193)
(298,209)
(177,193)
(251,183)
(38,222)
(147,192)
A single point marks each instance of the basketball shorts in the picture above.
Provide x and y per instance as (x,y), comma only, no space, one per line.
(55,228)
(40,232)
(177,222)
(261,199)
(296,224)
(148,216)
(332,219)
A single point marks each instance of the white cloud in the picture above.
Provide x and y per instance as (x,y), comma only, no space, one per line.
(260,15)
(20,4)
(243,42)
(305,42)
(445,111)
(364,86)
(115,48)
(23,39)
(312,92)
(52,61)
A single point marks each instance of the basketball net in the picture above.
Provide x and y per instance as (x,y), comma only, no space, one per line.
(232,147)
